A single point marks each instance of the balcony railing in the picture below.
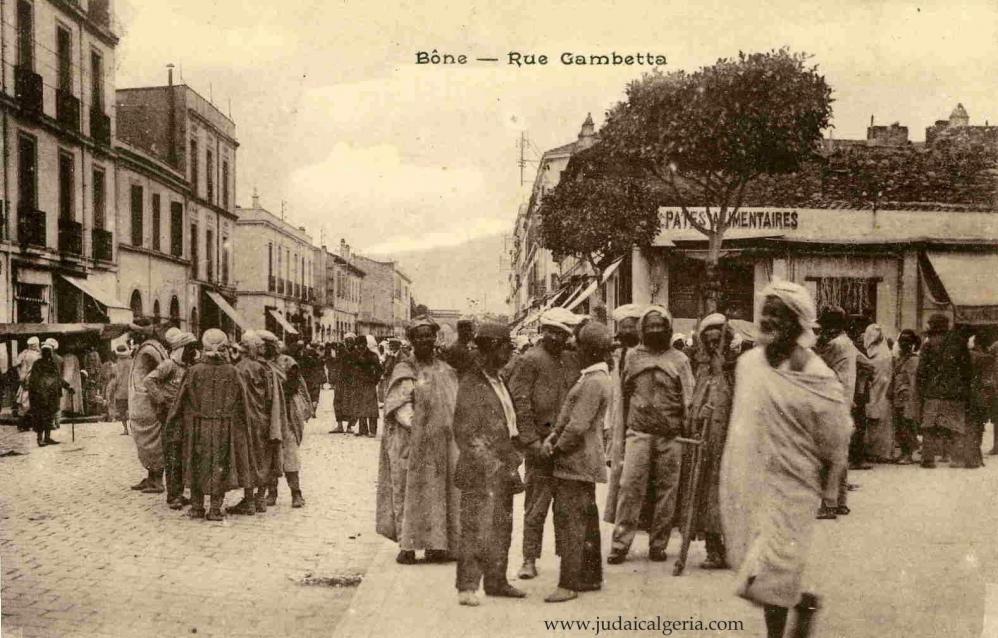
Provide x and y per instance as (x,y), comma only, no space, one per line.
(100,127)
(28,90)
(102,242)
(70,237)
(31,227)
(67,109)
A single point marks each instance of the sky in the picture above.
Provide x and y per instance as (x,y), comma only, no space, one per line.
(336,119)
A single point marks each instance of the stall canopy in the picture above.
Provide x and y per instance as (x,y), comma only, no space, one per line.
(103,330)
(967,281)
(116,311)
(229,310)
(279,318)
(590,288)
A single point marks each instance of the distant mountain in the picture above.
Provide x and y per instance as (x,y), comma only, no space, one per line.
(447,277)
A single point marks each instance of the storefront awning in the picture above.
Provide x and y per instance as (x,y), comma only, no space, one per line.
(116,311)
(588,289)
(279,318)
(104,330)
(229,310)
(967,281)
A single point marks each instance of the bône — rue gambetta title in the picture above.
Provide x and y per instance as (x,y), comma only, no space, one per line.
(530,58)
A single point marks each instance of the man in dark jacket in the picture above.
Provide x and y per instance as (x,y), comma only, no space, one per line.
(486,474)
(575,448)
(539,384)
(943,385)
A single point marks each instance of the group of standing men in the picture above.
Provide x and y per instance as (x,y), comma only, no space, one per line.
(458,430)
(214,416)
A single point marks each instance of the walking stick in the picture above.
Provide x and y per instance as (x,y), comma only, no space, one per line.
(692,488)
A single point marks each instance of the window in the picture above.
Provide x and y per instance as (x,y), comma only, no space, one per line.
(64,55)
(270,266)
(26,35)
(176,229)
(194,255)
(175,312)
(27,182)
(96,81)
(156,221)
(100,198)
(209,165)
(67,203)
(31,301)
(225,184)
(737,296)
(280,272)
(136,303)
(209,254)
(137,215)
(194,320)
(195,175)
(155,310)
(224,262)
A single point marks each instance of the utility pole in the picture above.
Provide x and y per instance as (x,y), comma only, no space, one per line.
(523,160)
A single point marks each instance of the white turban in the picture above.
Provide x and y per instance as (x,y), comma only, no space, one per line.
(655,308)
(800,302)
(34,341)
(873,335)
(715,320)
(627,311)
(52,343)
(214,340)
(560,318)
(679,337)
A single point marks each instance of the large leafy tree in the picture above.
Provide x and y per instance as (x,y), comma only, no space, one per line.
(705,136)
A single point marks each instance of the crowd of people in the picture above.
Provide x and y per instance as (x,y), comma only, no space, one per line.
(739,435)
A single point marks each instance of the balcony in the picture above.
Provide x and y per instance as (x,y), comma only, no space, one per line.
(102,241)
(70,237)
(28,91)
(67,109)
(271,284)
(100,127)
(280,286)
(31,227)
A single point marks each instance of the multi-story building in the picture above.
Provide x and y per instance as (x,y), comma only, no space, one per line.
(276,265)
(154,252)
(385,298)
(343,290)
(185,132)
(534,274)
(58,228)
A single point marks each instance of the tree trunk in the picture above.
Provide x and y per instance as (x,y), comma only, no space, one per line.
(713,283)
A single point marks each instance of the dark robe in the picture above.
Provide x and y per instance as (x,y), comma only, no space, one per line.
(45,385)
(366,375)
(264,418)
(211,405)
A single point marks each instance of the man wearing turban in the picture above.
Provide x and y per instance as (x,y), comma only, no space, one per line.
(418,503)
(789,430)
(143,418)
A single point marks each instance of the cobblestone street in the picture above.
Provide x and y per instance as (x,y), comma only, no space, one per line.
(82,555)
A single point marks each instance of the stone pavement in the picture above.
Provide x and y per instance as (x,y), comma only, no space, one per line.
(915,558)
(82,555)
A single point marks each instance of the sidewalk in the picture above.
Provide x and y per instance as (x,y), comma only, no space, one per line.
(914,558)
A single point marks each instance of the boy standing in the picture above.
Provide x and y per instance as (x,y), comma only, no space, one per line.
(576,449)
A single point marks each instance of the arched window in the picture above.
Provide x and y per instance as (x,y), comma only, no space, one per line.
(136,303)
(155,310)
(194,321)
(175,311)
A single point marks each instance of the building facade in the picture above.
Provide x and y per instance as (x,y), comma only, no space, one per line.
(58,231)
(534,274)
(184,131)
(276,265)
(383,290)
(344,285)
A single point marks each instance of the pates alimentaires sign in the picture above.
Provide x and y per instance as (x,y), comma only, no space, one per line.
(674,219)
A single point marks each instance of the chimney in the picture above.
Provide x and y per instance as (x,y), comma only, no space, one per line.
(256,198)
(871,120)
(171,151)
(344,249)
